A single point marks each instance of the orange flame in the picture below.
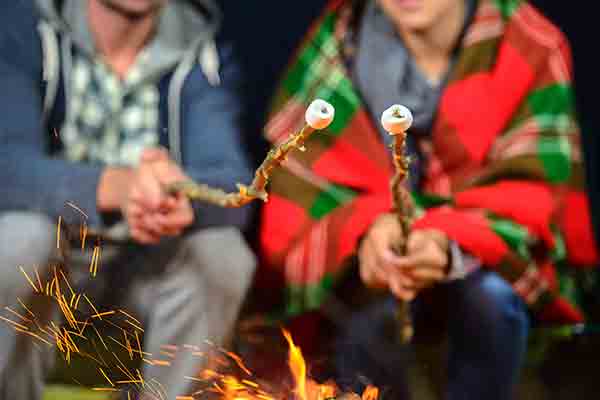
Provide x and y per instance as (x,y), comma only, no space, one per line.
(297,366)
(226,387)
(370,393)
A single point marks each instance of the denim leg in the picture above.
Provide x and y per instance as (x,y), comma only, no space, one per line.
(488,331)
(367,351)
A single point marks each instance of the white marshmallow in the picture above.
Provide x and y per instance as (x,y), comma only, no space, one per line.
(396,119)
(319,114)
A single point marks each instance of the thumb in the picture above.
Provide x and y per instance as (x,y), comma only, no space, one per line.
(387,236)
(154,154)
(416,241)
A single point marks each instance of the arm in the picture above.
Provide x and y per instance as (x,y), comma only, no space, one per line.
(213,152)
(527,216)
(31,179)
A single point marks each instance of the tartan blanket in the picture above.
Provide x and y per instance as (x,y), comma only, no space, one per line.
(503,176)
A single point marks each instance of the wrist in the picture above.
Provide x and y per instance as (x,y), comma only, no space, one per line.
(112,188)
(447,247)
(457,265)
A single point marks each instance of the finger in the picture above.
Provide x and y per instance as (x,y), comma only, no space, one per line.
(431,255)
(417,240)
(172,223)
(175,221)
(142,236)
(380,246)
(179,218)
(385,230)
(150,192)
(184,205)
(402,279)
(390,258)
(411,261)
(365,270)
(370,278)
(368,268)
(428,253)
(168,172)
(400,291)
(169,204)
(381,277)
(133,210)
(168,226)
(154,154)
(172,232)
(382,265)
(174,200)
(424,277)
(136,217)
(150,224)
(134,195)
(384,242)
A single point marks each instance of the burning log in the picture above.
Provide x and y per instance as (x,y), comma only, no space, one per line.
(223,383)
(348,396)
(318,116)
(396,120)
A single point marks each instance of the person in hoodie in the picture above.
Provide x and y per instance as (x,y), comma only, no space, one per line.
(106,102)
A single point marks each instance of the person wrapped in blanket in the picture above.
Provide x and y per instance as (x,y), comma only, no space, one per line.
(496,173)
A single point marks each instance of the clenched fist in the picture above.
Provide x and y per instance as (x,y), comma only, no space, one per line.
(150,212)
(425,263)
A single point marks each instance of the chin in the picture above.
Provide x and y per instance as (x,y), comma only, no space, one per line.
(417,15)
(134,8)
(415,22)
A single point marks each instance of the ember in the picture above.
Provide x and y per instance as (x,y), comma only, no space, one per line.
(82,326)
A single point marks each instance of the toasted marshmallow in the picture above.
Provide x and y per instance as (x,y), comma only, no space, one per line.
(396,119)
(319,114)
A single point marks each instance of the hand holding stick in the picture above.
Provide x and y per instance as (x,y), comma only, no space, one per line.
(396,120)
(319,115)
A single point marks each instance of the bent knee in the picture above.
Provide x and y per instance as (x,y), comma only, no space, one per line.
(27,225)
(26,239)
(490,298)
(223,258)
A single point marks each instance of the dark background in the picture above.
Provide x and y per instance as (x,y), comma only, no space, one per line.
(265,33)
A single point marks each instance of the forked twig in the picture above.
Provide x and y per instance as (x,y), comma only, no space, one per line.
(396,120)
(318,116)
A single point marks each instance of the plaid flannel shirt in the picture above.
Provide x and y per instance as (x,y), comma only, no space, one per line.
(109,120)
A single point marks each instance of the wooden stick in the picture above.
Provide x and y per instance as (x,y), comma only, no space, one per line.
(396,120)
(318,116)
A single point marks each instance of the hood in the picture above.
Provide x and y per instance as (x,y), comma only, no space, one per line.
(182,24)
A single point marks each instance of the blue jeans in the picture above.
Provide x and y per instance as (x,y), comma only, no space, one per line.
(487,328)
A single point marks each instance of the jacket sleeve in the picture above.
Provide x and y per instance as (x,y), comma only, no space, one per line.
(528,217)
(31,180)
(212,149)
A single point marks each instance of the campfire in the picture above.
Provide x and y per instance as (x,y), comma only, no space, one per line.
(231,387)
(226,376)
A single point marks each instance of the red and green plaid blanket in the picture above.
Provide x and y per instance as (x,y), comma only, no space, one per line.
(503,177)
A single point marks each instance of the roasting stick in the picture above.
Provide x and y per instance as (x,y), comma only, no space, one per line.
(318,116)
(396,120)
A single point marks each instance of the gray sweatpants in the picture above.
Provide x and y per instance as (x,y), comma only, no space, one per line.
(186,290)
